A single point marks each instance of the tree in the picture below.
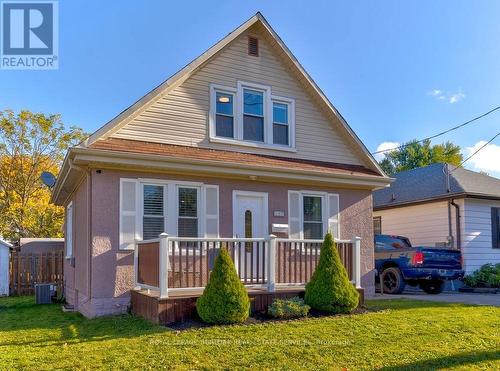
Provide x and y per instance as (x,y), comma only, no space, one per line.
(31,143)
(225,299)
(329,288)
(419,154)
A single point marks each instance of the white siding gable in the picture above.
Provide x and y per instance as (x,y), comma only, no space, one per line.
(181,117)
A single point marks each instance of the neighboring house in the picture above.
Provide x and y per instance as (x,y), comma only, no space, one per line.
(4,267)
(432,209)
(40,245)
(239,143)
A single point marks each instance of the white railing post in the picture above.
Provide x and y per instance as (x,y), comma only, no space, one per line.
(356,261)
(271,261)
(137,286)
(163,266)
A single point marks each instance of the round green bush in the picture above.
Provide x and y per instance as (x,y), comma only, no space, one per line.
(225,299)
(329,289)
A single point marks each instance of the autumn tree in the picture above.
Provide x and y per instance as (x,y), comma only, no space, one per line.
(417,154)
(31,143)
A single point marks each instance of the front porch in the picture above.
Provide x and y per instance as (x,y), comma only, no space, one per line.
(172,272)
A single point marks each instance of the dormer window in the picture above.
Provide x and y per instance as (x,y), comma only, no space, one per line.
(250,115)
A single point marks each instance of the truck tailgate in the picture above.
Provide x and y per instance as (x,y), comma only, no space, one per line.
(441,258)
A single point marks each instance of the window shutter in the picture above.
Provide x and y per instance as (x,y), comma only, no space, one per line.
(128,213)
(334,215)
(211,211)
(294,212)
(495,226)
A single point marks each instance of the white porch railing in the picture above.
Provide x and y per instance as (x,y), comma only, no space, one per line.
(170,264)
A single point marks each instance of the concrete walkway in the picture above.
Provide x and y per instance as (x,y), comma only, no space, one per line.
(446,297)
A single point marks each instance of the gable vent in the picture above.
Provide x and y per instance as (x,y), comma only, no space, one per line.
(253,46)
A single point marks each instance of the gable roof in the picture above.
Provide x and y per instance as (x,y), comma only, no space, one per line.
(178,78)
(430,183)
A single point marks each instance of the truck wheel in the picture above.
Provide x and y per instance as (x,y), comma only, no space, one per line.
(432,286)
(393,281)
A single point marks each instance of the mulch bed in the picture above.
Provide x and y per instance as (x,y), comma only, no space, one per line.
(262,318)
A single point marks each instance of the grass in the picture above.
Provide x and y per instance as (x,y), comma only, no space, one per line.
(397,334)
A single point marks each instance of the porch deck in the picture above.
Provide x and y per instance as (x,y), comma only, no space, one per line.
(172,272)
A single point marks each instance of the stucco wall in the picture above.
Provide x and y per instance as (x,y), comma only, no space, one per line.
(112,269)
(76,278)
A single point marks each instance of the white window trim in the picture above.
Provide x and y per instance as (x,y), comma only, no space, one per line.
(291,120)
(325,207)
(214,89)
(238,117)
(68,235)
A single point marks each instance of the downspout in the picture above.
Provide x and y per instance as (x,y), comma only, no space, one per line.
(448,190)
(457,217)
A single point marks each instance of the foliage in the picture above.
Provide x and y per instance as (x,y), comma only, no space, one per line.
(225,299)
(42,337)
(487,276)
(288,308)
(419,154)
(329,288)
(31,143)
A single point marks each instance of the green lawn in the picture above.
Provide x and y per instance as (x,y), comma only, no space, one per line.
(399,334)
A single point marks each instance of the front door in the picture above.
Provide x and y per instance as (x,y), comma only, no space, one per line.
(250,218)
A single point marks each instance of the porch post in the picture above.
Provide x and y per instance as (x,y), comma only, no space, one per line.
(356,261)
(271,261)
(136,264)
(163,266)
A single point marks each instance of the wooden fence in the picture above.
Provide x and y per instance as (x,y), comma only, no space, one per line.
(26,270)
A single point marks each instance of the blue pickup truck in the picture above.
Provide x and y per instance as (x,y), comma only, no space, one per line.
(399,263)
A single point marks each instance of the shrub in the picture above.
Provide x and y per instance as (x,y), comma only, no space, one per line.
(288,308)
(225,299)
(486,276)
(329,288)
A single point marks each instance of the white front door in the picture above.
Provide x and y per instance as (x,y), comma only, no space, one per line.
(250,220)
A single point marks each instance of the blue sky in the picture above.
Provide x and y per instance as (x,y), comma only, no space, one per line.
(396,70)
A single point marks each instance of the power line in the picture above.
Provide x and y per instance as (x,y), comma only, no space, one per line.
(439,134)
(476,151)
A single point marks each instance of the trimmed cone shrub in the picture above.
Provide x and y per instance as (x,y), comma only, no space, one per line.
(225,299)
(329,288)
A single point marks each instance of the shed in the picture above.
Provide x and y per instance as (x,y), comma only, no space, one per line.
(4,267)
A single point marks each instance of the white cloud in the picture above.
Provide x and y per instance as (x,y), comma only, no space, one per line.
(385,146)
(450,97)
(454,98)
(487,159)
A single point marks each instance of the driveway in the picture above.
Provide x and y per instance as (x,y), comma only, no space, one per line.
(447,297)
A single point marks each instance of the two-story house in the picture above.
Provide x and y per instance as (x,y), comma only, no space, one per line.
(240,149)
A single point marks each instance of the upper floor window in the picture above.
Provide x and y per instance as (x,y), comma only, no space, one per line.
(280,123)
(224,126)
(250,115)
(253,115)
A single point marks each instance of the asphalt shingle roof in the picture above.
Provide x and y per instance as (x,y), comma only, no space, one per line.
(430,182)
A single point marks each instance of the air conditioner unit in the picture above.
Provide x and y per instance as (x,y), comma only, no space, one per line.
(44,293)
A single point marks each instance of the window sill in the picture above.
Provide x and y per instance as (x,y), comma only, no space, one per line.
(275,147)
(68,257)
